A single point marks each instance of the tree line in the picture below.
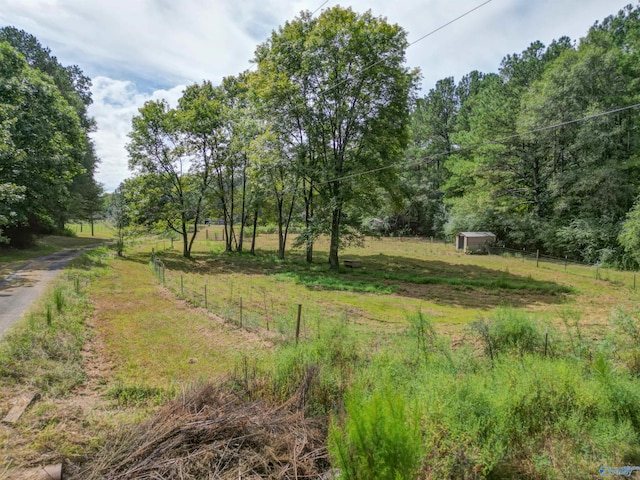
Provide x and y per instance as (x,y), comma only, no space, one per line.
(47,159)
(327,134)
(482,158)
(310,137)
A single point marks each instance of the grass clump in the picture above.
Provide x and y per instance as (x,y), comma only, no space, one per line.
(137,395)
(509,331)
(333,282)
(326,365)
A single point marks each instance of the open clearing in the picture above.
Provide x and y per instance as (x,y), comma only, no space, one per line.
(148,341)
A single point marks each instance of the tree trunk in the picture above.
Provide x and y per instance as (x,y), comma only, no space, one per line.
(243,213)
(281,239)
(186,253)
(335,238)
(253,236)
(308,214)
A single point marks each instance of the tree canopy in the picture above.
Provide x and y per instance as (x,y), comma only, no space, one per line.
(47,160)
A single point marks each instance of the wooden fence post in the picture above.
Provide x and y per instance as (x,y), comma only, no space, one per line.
(546,340)
(205,296)
(240,311)
(298,322)
(537,258)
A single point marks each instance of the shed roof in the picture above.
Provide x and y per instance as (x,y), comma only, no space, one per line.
(476,234)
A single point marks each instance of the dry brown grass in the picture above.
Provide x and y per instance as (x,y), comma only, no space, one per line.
(214,433)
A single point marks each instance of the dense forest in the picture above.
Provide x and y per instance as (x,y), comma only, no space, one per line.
(545,153)
(327,135)
(47,159)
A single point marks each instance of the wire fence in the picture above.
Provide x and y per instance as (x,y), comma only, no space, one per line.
(250,307)
(572,267)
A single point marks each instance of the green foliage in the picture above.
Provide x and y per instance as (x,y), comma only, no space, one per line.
(137,395)
(333,282)
(625,336)
(379,439)
(509,331)
(46,155)
(328,362)
(331,133)
(58,298)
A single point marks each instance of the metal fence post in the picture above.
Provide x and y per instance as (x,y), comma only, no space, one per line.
(298,322)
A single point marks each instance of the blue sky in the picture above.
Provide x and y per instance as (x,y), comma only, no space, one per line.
(136,50)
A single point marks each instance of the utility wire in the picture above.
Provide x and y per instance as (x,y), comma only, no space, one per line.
(323,4)
(485,143)
(370,66)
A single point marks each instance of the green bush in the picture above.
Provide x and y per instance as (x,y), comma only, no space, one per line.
(334,357)
(509,331)
(379,439)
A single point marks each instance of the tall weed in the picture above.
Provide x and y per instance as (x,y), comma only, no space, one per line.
(379,439)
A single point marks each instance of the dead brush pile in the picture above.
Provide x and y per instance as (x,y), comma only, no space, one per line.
(214,433)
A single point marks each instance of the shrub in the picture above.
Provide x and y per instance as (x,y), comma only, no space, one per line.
(379,439)
(509,331)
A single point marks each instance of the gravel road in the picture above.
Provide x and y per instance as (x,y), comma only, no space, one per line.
(21,288)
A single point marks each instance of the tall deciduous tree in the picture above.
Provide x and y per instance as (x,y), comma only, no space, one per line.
(41,140)
(84,192)
(177,173)
(338,87)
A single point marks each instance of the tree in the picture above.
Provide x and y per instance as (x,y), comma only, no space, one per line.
(337,87)
(176,173)
(42,138)
(75,87)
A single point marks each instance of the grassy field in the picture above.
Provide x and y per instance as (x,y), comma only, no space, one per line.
(417,313)
(397,279)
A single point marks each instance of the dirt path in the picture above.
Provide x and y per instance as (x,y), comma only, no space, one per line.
(27,283)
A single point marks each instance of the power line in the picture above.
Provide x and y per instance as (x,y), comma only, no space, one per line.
(488,142)
(323,4)
(444,25)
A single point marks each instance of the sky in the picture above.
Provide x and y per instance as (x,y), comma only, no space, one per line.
(139,50)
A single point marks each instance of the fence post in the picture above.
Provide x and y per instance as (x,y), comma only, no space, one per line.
(298,322)
(634,280)
(565,263)
(546,340)
(537,257)
(181,285)
(163,269)
(206,233)
(205,297)
(171,243)
(597,273)
(240,311)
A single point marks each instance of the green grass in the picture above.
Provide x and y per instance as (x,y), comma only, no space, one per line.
(10,258)
(44,349)
(334,282)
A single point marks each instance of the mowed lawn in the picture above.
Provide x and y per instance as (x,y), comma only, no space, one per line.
(156,340)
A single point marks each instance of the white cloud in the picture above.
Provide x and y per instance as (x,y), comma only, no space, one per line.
(176,42)
(115,102)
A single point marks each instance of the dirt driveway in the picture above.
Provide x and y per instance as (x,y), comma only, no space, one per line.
(27,283)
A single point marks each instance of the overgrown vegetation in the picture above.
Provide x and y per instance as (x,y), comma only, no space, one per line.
(414,408)
(44,350)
